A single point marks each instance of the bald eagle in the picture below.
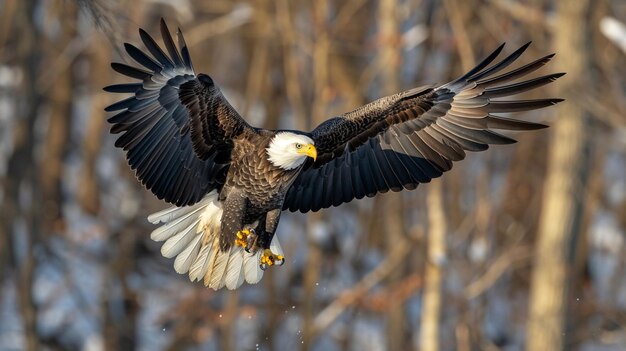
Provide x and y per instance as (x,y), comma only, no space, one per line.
(230,181)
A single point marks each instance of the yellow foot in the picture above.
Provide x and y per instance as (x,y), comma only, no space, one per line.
(268,259)
(246,238)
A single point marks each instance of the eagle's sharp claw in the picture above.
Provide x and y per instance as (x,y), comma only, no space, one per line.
(268,259)
(246,239)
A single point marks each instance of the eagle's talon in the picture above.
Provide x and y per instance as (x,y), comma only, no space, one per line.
(268,259)
(246,239)
(251,244)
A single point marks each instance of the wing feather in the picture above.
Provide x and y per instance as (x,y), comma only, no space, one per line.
(130,71)
(142,58)
(155,50)
(401,140)
(170,46)
(502,64)
(176,127)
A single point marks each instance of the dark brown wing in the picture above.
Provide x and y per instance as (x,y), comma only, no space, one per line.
(402,140)
(177,128)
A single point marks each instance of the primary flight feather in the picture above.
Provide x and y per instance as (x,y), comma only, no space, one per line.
(230,181)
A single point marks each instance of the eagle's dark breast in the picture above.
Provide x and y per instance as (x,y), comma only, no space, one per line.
(252,175)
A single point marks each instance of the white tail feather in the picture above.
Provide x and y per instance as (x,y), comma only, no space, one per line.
(166,231)
(177,243)
(234,271)
(200,266)
(214,277)
(275,247)
(192,235)
(252,271)
(164,215)
(168,214)
(184,260)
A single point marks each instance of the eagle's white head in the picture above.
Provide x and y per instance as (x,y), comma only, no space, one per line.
(289,150)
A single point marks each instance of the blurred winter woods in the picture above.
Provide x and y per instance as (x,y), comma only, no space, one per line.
(520,247)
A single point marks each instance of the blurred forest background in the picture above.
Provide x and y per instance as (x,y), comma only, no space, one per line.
(521,247)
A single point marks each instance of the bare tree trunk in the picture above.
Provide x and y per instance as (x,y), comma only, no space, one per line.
(57,138)
(456,12)
(258,72)
(396,330)
(389,54)
(120,304)
(559,228)
(292,84)
(88,191)
(21,171)
(388,60)
(6,20)
(318,112)
(433,277)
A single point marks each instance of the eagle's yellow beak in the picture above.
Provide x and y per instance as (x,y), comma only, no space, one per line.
(309,150)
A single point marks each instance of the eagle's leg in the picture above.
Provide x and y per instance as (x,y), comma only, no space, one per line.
(232,229)
(269,258)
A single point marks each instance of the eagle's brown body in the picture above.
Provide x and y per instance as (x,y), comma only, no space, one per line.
(255,189)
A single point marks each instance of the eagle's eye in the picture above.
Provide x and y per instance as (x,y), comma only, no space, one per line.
(298,146)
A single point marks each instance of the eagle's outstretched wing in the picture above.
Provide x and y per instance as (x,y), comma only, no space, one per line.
(402,140)
(177,126)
